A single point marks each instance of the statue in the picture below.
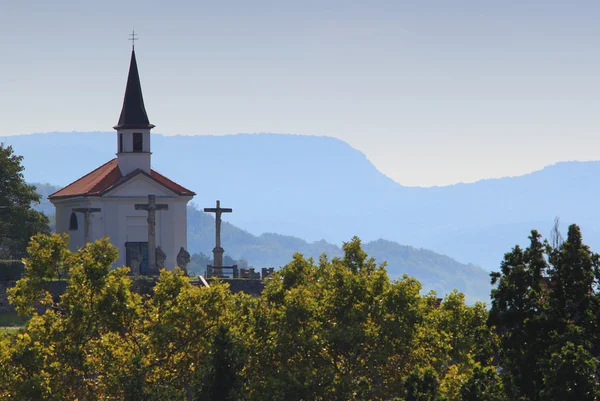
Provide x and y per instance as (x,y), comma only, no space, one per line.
(135,261)
(160,258)
(183,259)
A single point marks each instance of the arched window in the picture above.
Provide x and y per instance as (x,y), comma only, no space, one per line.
(73,222)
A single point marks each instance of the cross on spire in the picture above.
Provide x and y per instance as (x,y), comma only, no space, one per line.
(133,37)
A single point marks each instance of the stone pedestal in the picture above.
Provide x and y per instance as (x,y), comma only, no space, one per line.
(218,256)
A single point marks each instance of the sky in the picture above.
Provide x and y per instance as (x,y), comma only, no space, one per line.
(432,92)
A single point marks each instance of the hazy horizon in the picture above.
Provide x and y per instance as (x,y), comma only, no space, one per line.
(432,94)
(7,138)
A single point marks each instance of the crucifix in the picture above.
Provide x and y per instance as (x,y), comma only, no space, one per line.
(151,207)
(87,211)
(218,251)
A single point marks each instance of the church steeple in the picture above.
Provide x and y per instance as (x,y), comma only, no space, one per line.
(133,129)
(133,113)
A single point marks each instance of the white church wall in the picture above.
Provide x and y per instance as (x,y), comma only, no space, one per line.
(140,186)
(125,224)
(63,220)
(96,218)
(120,222)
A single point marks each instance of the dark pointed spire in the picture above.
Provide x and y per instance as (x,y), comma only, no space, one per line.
(133,114)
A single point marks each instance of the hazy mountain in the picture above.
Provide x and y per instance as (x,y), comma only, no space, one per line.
(321,188)
(434,271)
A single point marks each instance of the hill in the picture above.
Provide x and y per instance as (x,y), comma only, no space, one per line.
(320,188)
(434,271)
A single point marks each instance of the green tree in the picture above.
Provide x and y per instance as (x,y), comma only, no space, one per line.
(100,340)
(483,385)
(18,220)
(573,273)
(572,367)
(341,329)
(545,309)
(571,374)
(221,380)
(422,386)
(333,330)
(517,313)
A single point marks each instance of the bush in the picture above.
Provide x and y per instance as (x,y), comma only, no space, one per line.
(11,270)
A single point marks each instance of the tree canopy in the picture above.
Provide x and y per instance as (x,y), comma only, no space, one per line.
(331,329)
(546,309)
(18,220)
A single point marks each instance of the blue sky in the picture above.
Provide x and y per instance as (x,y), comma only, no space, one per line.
(433,92)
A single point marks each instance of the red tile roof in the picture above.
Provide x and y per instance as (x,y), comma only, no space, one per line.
(107,177)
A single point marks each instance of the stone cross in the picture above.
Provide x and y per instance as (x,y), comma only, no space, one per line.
(87,211)
(218,251)
(151,207)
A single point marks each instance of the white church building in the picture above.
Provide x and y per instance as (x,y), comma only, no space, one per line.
(103,202)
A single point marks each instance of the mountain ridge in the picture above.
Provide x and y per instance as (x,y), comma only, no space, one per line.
(435,272)
(316,187)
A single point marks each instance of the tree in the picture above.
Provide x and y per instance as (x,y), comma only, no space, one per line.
(422,386)
(335,329)
(572,367)
(545,309)
(572,374)
(100,340)
(340,329)
(483,385)
(18,220)
(517,313)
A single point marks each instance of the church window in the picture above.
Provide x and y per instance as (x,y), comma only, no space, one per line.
(73,222)
(137,142)
(120,143)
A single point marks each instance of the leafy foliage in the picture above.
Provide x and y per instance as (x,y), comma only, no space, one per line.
(18,220)
(545,309)
(329,329)
(335,329)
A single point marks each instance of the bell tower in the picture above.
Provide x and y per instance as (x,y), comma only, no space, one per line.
(133,128)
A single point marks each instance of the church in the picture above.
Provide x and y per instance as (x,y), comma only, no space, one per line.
(125,199)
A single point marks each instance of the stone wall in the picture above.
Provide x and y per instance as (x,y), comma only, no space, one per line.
(56,288)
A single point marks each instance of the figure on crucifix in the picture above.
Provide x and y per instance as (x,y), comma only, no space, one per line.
(87,211)
(151,207)
(218,251)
